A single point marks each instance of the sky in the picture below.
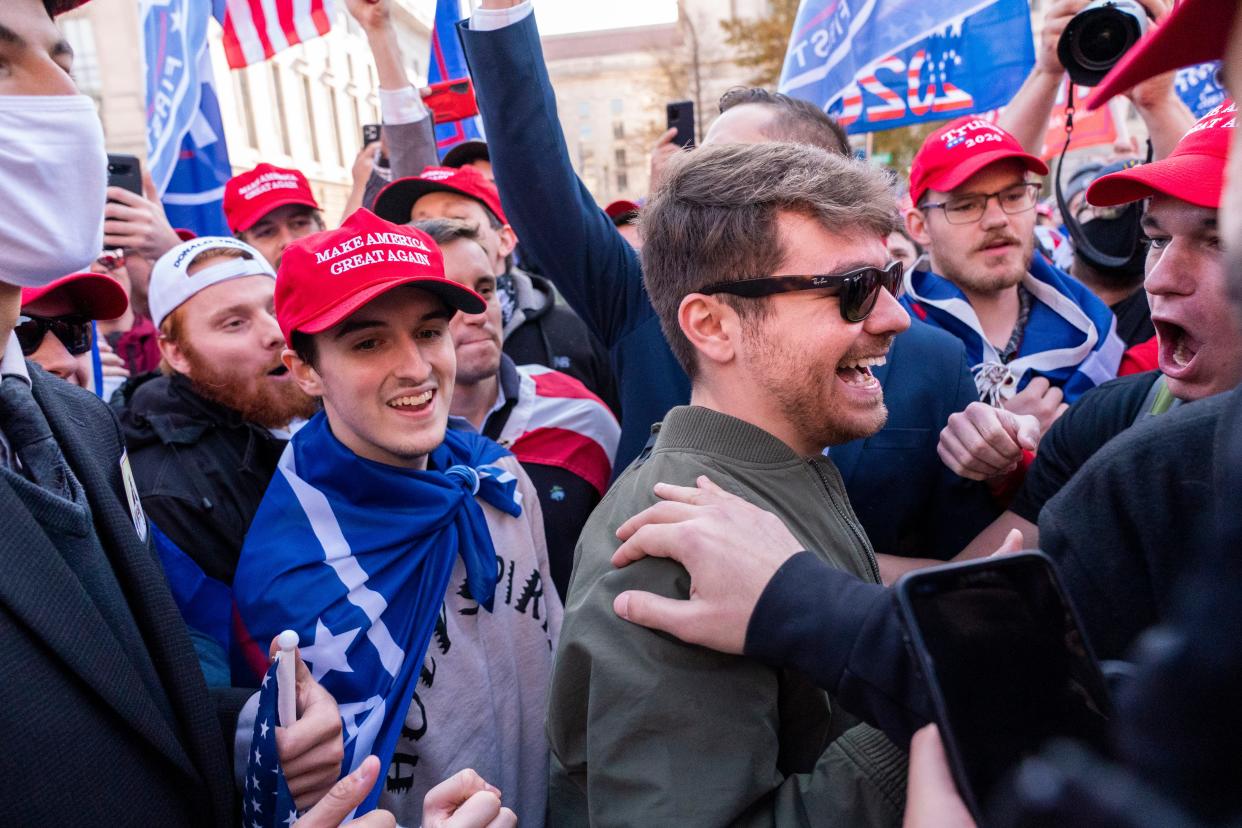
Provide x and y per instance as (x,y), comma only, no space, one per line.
(560,16)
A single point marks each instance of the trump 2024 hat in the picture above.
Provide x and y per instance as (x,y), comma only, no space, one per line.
(172,284)
(252,195)
(93,295)
(327,276)
(955,152)
(1194,172)
(395,202)
(1196,31)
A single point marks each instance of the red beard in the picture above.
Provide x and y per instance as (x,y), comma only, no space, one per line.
(259,400)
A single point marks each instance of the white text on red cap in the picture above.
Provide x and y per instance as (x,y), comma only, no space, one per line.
(268,182)
(958,135)
(1215,119)
(368,257)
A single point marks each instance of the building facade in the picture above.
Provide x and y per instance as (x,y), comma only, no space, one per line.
(303,109)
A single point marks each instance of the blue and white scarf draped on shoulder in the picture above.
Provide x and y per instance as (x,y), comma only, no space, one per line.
(1070,338)
(355,556)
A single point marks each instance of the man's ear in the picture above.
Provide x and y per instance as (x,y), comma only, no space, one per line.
(304,374)
(916,226)
(712,327)
(508,240)
(174,356)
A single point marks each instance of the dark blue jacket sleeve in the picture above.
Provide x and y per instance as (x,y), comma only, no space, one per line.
(563,232)
(847,637)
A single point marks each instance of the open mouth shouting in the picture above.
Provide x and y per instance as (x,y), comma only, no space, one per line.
(278,371)
(1178,349)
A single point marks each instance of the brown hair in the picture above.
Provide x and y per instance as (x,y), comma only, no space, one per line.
(793,120)
(715,219)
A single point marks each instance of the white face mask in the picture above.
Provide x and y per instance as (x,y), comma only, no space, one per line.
(53,173)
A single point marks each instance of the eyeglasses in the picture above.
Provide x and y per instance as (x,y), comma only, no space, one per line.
(74,332)
(111,259)
(859,289)
(970,208)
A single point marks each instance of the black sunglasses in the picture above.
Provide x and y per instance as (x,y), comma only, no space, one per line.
(859,289)
(74,332)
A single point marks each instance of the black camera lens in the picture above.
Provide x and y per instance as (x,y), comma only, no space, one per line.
(1097,37)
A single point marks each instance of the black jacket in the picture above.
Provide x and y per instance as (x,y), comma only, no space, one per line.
(545,331)
(201,469)
(87,742)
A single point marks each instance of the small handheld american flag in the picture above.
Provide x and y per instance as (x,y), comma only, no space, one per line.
(267,801)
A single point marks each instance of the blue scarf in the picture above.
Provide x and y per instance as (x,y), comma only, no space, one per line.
(355,556)
(1070,338)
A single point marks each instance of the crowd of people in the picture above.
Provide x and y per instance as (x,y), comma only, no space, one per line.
(589,515)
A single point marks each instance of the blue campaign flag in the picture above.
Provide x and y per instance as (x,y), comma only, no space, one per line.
(879,64)
(448,62)
(1200,88)
(186,150)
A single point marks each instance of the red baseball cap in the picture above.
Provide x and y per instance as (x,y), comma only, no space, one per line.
(955,152)
(1194,172)
(93,295)
(252,195)
(325,277)
(1196,31)
(395,202)
(620,207)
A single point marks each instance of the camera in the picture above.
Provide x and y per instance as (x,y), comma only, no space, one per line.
(1097,37)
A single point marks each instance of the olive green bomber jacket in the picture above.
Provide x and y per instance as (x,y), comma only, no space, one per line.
(647,730)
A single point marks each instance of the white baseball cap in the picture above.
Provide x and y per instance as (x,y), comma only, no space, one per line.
(171,283)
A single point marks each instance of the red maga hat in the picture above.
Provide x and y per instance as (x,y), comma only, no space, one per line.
(325,277)
(620,207)
(1194,172)
(955,152)
(395,202)
(93,295)
(252,195)
(1196,31)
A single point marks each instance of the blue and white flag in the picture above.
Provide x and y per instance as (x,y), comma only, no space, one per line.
(187,155)
(1200,88)
(879,64)
(355,556)
(448,62)
(1070,337)
(266,801)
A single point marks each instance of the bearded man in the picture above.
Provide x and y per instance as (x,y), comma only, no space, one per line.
(205,436)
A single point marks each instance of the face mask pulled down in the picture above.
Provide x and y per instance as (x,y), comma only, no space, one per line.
(53,174)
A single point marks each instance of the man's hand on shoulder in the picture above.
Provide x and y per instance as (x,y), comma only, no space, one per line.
(731,549)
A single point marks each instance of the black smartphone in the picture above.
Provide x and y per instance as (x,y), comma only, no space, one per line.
(1006,663)
(370,133)
(125,171)
(681,115)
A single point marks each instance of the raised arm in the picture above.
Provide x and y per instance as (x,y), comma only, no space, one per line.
(562,230)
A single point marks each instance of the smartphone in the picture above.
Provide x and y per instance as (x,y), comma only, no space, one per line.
(681,115)
(1007,665)
(452,100)
(370,134)
(125,171)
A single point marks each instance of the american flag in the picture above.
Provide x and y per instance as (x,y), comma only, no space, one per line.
(267,801)
(254,30)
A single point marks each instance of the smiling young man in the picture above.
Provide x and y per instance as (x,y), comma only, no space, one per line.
(768,269)
(563,435)
(1034,336)
(381,528)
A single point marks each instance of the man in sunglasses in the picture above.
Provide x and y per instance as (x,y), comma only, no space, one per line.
(1036,338)
(55,325)
(768,269)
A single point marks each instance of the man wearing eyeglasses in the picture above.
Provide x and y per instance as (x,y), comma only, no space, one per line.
(55,325)
(1035,337)
(766,265)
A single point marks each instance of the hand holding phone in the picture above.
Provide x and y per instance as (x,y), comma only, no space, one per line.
(681,116)
(1006,664)
(125,171)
